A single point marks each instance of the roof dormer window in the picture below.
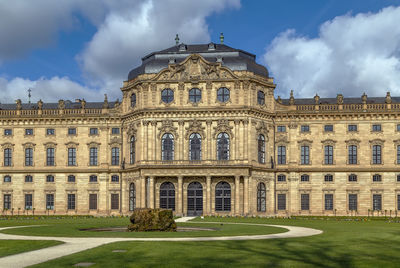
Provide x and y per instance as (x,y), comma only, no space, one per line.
(211,46)
(182,47)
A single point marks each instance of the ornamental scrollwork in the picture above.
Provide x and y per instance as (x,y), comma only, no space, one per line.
(167,126)
(223,126)
(195,127)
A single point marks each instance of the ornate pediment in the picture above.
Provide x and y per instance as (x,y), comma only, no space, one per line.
(223,126)
(115,141)
(195,68)
(262,129)
(167,126)
(131,130)
(195,127)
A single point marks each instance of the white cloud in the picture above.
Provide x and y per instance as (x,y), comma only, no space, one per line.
(351,55)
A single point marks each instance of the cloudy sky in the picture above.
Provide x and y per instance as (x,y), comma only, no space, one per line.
(84,48)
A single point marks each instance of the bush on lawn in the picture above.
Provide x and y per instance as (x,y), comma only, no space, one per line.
(147,220)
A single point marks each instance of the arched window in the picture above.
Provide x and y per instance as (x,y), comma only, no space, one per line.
(167,95)
(195,146)
(223,146)
(223,94)
(133,100)
(167,196)
(132,147)
(261,197)
(223,196)
(261,149)
(132,197)
(194,95)
(261,97)
(167,147)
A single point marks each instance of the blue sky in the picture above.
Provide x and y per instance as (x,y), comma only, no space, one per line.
(73,49)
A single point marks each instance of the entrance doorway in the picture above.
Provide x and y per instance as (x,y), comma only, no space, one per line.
(195,199)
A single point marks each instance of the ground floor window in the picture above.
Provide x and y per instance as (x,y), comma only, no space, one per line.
(328,201)
(28,201)
(93,201)
(71,201)
(398,202)
(132,197)
(377,202)
(50,201)
(305,202)
(114,201)
(281,201)
(167,196)
(7,201)
(223,196)
(261,197)
(352,201)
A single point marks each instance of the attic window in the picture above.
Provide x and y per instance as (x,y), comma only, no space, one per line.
(182,47)
(211,46)
(219,59)
(172,61)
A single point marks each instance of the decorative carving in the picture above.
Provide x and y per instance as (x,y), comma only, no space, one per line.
(50,145)
(115,141)
(262,129)
(292,125)
(353,142)
(7,145)
(71,144)
(167,127)
(388,98)
(19,104)
(40,104)
(364,98)
(105,103)
(61,104)
(223,126)
(328,142)
(131,130)
(83,103)
(316,99)
(377,142)
(291,99)
(28,145)
(195,127)
(339,99)
(305,141)
(279,100)
(93,144)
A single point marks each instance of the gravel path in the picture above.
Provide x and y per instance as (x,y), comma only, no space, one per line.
(76,244)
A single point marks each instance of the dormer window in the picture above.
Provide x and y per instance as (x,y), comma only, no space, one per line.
(261,97)
(167,95)
(182,47)
(133,100)
(211,46)
(195,95)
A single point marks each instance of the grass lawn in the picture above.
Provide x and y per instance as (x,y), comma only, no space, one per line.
(343,244)
(10,247)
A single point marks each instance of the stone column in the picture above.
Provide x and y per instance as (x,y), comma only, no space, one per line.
(180,195)
(146,141)
(245,138)
(151,194)
(209,140)
(154,140)
(208,196)
(182,140)
(246,196)
(237,195)
(237,139)
(143,192)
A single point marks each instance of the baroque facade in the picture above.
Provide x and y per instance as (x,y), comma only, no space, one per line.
(199,131)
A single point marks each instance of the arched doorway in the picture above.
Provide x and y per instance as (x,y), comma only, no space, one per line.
(167,196)
(195,199)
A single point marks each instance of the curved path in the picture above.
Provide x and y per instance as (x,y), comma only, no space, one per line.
(76,244)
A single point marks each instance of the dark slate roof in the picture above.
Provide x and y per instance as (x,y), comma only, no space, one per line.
(234,59)
(49,106)
(345,100)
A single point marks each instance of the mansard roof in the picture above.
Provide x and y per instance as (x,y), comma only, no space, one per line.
(234,59)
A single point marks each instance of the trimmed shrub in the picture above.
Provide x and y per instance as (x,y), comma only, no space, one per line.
(151,220)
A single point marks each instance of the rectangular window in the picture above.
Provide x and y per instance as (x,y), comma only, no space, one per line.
(114,201)
(92,201)
(93,178)
(305,155)
(328,177)
(50,201)
(398,154)
(28,201)
(281,178)
(352,154)
(8,132)
(304,177)
(71,201)
(376,127)
(398,178)
(50,160)
(281,128)
(114,178)
(377,202)
(71,156)
(7,178)
(28,178)
(398,202)
(71,131)
(28,131)
(305,128)
(71,178)
(115,130)
(93,156)
(281,155)
(328,128)
(281,201)
(115,156)
(328,155)
(28,157)
(376,178)
(305,202)
(398,127)
(50,131)
(352,128)
(352,201)
(7,201)
(49,178)
(376,154)
(94,131)
(328,201)
(7,157)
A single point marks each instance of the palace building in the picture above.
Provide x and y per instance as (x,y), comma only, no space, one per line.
(199,131)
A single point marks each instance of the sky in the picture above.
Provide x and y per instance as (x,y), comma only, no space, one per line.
(69,49)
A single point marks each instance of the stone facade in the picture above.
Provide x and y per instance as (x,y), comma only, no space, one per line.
(253,155)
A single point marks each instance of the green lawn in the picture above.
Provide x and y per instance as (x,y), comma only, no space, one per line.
(10,247)
(343,244)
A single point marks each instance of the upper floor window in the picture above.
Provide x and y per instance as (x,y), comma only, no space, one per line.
(304,177)
(261,149)
(398,127)
(132,149)
(115,156)
(261,97)
(7,178)
(93,178)
(377,127)
(93,131)
(223,146)
(328,128)
(8,132)
(398,154)
(376,154)
(115,131)
(376,177)
(50,131)
(305,128)
(328,177)
(28,178)
(281,128)
(281,177)
(194,95)
(328,157)
(93,156)
(223,94)
(167,147)
(50,157)
(71,178)
(305,155)
(28,131)
(167,95)
(49,178)
(352,128)
(114,178)
(28,157)
(281,155)
(352,177)
(71,131)
(195,146)
(7,157)
(71,156)
(352,154)
(133,100)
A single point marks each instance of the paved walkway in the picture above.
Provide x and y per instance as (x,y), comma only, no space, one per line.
(76,244)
